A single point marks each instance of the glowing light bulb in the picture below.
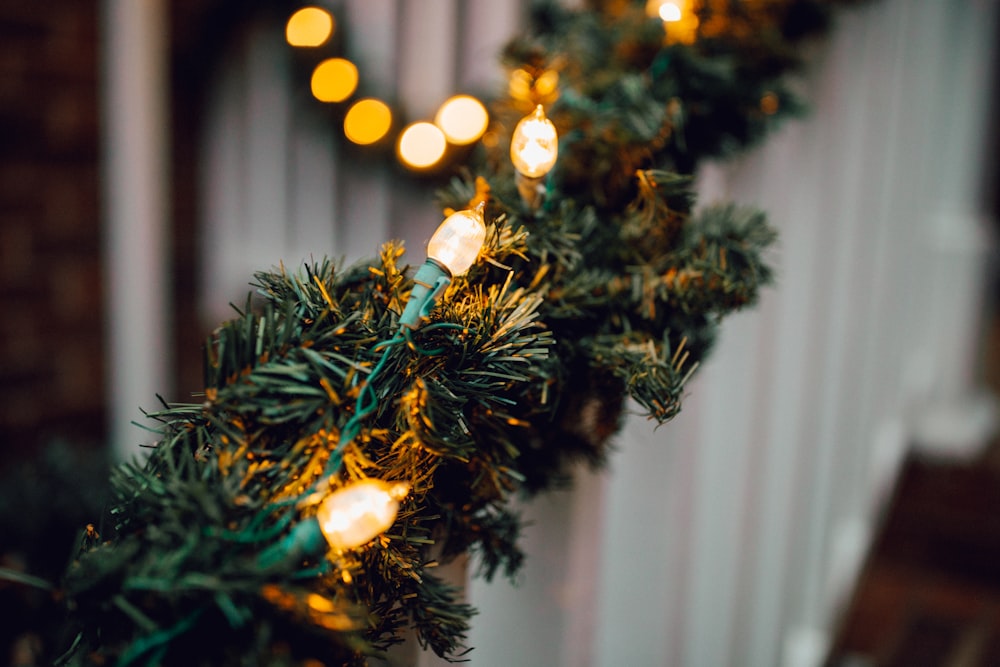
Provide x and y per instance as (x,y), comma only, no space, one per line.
(535,145)
(452,250)
(463,119)
(334,80)
(309,26)
(421,145)
(457,241)
(354,515)
(367,121)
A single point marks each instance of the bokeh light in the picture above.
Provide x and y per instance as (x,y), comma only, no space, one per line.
(309,26)
(520,85)
(546,84)
(334,80)
(770,103)
(367,121)
(669,12)
(463,119)
(491,139)
(680,20)
(421,145)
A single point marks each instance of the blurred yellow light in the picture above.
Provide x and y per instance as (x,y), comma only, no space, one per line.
(367,121)
(520,85)
(463,119)
(310,26)
(770,103)
(354,515)
(543,89)
(421,145)
(491,139)
(679,19)
(534,146)
(670,12)
(546,84)
(334,80)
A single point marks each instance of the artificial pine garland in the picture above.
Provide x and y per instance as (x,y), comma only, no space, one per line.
(608,285)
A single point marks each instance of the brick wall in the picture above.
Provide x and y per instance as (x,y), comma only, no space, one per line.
(51,361)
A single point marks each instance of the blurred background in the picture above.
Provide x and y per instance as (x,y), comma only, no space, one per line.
(831,490)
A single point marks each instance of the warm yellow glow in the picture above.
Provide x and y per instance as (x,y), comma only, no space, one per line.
(670,12)
(770,103)
(463,119)
(367,121)
(334,80)
(520,85)
(354,515)
(546,84)
(310,26)
(535,145)
(679,19)
(421,145)
(458,240)
(526,88)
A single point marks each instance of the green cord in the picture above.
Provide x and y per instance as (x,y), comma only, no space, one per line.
(367,400)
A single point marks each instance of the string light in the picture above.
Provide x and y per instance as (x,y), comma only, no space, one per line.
(334,80)
(347,518)
(367,121)
(452,250)
(534,146)
(354,515)
(421,145)
(309,27)
(463,119)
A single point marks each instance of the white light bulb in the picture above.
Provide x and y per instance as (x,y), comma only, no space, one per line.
(354,515)
(451,251)
(457,242)
(534,146)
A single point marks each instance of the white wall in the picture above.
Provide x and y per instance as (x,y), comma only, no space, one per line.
(728,536)
(135,212)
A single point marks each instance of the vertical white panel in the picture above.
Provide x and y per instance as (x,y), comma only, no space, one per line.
(135,179)
(529,623)
(427,63)
(265,171)
(312,191)
(221,279)
(366,194)
(369,29)
(956,236)
(786,414)
(429,52)
(488,26)
(728,387)
(838,233)
(643,540)
(583,564)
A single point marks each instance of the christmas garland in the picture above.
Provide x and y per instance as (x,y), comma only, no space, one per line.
(594,283)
